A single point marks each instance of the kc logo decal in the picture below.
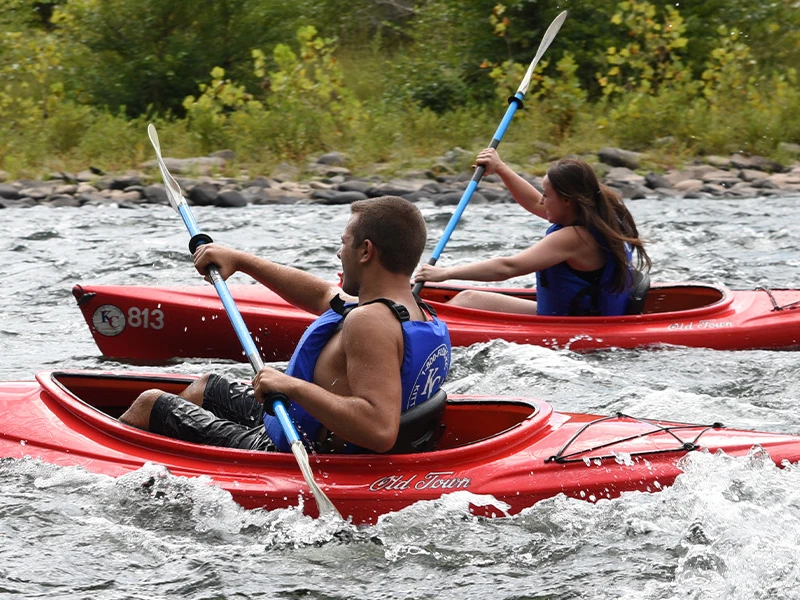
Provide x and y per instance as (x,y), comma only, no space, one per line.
(108,320)
(431,376)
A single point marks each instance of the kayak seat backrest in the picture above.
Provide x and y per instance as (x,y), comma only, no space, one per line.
(421,426)
(638,296)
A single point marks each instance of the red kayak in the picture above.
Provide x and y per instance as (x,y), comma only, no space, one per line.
(159,323)
(516,450)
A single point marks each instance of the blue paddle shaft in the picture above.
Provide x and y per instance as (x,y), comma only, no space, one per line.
(225,295)
(239,326)
(513,104)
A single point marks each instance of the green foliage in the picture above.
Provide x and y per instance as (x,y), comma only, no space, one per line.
(651,57)
(400,81)
(150,54)
(31,86)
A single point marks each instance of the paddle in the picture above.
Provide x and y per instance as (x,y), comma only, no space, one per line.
(178,202)
(514,103)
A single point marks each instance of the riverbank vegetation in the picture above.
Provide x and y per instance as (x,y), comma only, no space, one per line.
(391,82)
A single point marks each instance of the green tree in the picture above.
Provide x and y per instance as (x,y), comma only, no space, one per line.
(148,55)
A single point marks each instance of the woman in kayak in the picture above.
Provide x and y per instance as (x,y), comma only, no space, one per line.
(583,264)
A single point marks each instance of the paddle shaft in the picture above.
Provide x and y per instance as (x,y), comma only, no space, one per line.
(514,103)
(239,326)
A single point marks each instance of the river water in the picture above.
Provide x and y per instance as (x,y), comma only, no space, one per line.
(728,528)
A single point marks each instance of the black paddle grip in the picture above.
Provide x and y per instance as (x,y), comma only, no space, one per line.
(198,240)
(270,399)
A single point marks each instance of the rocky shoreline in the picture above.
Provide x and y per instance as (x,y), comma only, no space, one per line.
(327,180)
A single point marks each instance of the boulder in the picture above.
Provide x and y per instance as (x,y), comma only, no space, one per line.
(230,199)
(203,194)
(617,157)
(334,159)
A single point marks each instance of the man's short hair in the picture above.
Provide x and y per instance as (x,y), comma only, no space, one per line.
(396,227)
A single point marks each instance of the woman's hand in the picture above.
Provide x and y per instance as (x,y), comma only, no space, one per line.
(431,273)
(490,160)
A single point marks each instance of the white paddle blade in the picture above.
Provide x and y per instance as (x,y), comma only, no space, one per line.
(174,194)
(548,38)
(324,503)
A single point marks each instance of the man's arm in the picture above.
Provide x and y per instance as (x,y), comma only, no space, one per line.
(302,289)
(370,415)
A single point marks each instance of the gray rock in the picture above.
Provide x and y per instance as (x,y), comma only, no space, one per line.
(259,181)
(335,159)
(355,185)
(85,176)
(714,189)
(453,198)
(155,194)
(722,178)
(655,181)
(617,157)
(624,175)
(37,193)
(124,181)
(755,162)
(230,199)
(630,191)
(696,195)
(688,185)
(323,194)
(420,196)
(9,192)
(254,194)
(346,197)
(281,198)
(62,200)
(751,174)
(389,189)
(329,170)
(764,184)
(721,162)
(95,199)
(18,203)
(203,194)
(495,195)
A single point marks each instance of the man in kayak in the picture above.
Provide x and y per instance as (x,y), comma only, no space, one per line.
(583,264)
(349,378)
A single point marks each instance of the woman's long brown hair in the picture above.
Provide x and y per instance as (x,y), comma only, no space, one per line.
(601,210)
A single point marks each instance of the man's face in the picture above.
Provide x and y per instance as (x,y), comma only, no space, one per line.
(349,258)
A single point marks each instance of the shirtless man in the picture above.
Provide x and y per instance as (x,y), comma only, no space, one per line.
(349,378)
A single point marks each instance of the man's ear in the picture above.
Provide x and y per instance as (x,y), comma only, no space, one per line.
(368,250)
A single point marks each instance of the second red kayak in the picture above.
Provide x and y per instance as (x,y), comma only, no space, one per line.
(152,323)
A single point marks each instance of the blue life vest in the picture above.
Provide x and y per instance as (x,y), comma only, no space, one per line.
(562,291)
(426,362)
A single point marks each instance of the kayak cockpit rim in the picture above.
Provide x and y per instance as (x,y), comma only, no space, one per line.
(473,425)
(684,300)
